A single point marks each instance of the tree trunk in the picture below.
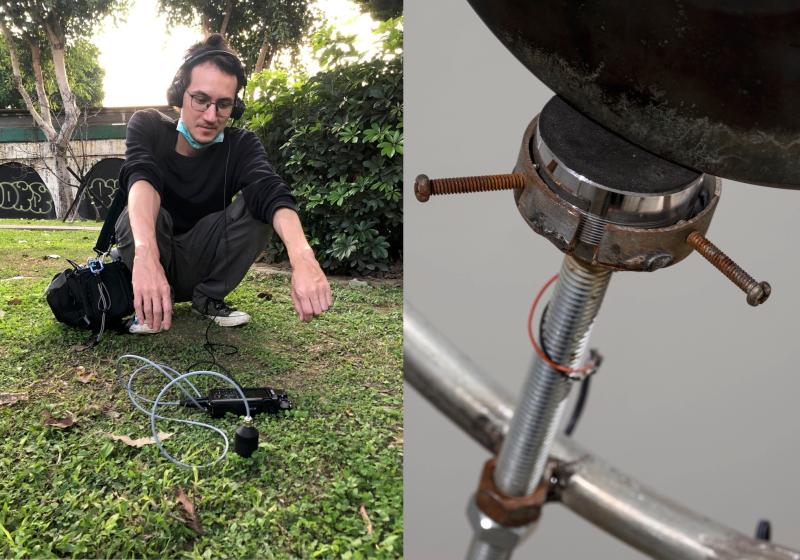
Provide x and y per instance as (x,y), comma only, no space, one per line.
(55,36)
(262,54)
(65,194)
(228,9)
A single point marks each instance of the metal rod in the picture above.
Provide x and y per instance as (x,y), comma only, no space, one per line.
(604,496)
(565,335)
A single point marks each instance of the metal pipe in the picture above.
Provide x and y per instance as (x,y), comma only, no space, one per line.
(599,493)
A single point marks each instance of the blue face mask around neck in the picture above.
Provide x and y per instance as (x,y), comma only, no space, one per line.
(194,143)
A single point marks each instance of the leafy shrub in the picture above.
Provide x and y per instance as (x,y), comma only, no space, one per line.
(337,139)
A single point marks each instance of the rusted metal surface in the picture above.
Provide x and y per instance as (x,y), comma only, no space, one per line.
(711,85)
(541,209)
(628,248)
(510,511)
(757,292)
(620,247)
(424,187)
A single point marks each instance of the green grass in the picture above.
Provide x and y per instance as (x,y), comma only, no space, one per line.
(77,493)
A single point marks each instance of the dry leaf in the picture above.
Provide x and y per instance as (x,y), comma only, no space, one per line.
(60,423)
(363,511)
(83,375)
(11,398)
(192,519)
(14,301)
(265,295)
(2,313)
(141,442)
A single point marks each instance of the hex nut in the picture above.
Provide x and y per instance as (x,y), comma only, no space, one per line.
(488,530)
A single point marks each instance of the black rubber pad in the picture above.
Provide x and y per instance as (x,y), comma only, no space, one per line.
(604,157)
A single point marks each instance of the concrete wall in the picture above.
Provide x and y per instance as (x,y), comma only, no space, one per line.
(38,155)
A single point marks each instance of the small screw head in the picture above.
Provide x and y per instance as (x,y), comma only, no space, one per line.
(422,188)
(759,293)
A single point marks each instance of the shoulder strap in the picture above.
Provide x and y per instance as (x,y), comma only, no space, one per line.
(106,237)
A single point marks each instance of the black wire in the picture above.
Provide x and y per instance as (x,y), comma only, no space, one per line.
(764,530)
(583,393)
(214,348)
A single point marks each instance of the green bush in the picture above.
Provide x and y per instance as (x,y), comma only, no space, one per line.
(337,139)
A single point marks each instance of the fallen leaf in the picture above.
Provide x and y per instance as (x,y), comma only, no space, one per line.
(14,301)
(83,375)
(11,398)
(265,295)
(192,519)
(60,423)
(113,414)
(2,313)
(51,257)
(141,442)
(356,283)
(363,511)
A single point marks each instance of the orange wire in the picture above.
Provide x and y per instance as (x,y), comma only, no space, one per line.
(539,351)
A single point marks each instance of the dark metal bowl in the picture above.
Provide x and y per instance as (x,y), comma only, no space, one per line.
(713,86)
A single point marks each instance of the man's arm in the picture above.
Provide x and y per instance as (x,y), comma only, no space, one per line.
(311,293)
(151,292)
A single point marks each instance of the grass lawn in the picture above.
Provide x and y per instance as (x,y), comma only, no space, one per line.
(325,482)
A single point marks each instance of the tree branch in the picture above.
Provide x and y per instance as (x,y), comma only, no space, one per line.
(262,53)
(44,102)
(46,126)
(55,36)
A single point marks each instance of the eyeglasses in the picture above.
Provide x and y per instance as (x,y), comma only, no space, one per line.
(201,102)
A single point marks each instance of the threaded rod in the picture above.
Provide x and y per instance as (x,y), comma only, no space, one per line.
(757,292)
(425,187)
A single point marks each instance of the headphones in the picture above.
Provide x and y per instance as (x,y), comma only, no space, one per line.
(177,88)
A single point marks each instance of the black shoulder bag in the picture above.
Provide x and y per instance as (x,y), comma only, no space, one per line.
(98,295)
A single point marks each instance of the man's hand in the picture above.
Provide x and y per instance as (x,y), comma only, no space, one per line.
(311,293)
(152,298)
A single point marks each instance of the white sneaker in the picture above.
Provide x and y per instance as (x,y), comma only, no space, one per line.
(221,314)
(141,328)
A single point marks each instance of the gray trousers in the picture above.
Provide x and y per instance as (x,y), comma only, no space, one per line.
(209,260)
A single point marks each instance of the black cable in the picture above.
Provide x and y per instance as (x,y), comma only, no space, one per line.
(213,348)
(764,530)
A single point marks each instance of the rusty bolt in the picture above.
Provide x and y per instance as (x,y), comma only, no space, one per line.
(757,292)
(425,187)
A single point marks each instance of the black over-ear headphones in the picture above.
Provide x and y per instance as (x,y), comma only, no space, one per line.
(177,88)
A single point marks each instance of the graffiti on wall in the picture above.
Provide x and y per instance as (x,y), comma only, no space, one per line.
(23,194)
(101,184)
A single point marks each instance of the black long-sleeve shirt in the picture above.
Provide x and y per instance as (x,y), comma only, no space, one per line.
(193,187)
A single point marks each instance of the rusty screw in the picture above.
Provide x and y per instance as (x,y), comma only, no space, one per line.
(757,292)
(425,187)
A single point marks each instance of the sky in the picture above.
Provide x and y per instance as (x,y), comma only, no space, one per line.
(140,56)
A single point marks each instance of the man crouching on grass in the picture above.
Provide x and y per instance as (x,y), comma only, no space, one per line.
(183,235)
